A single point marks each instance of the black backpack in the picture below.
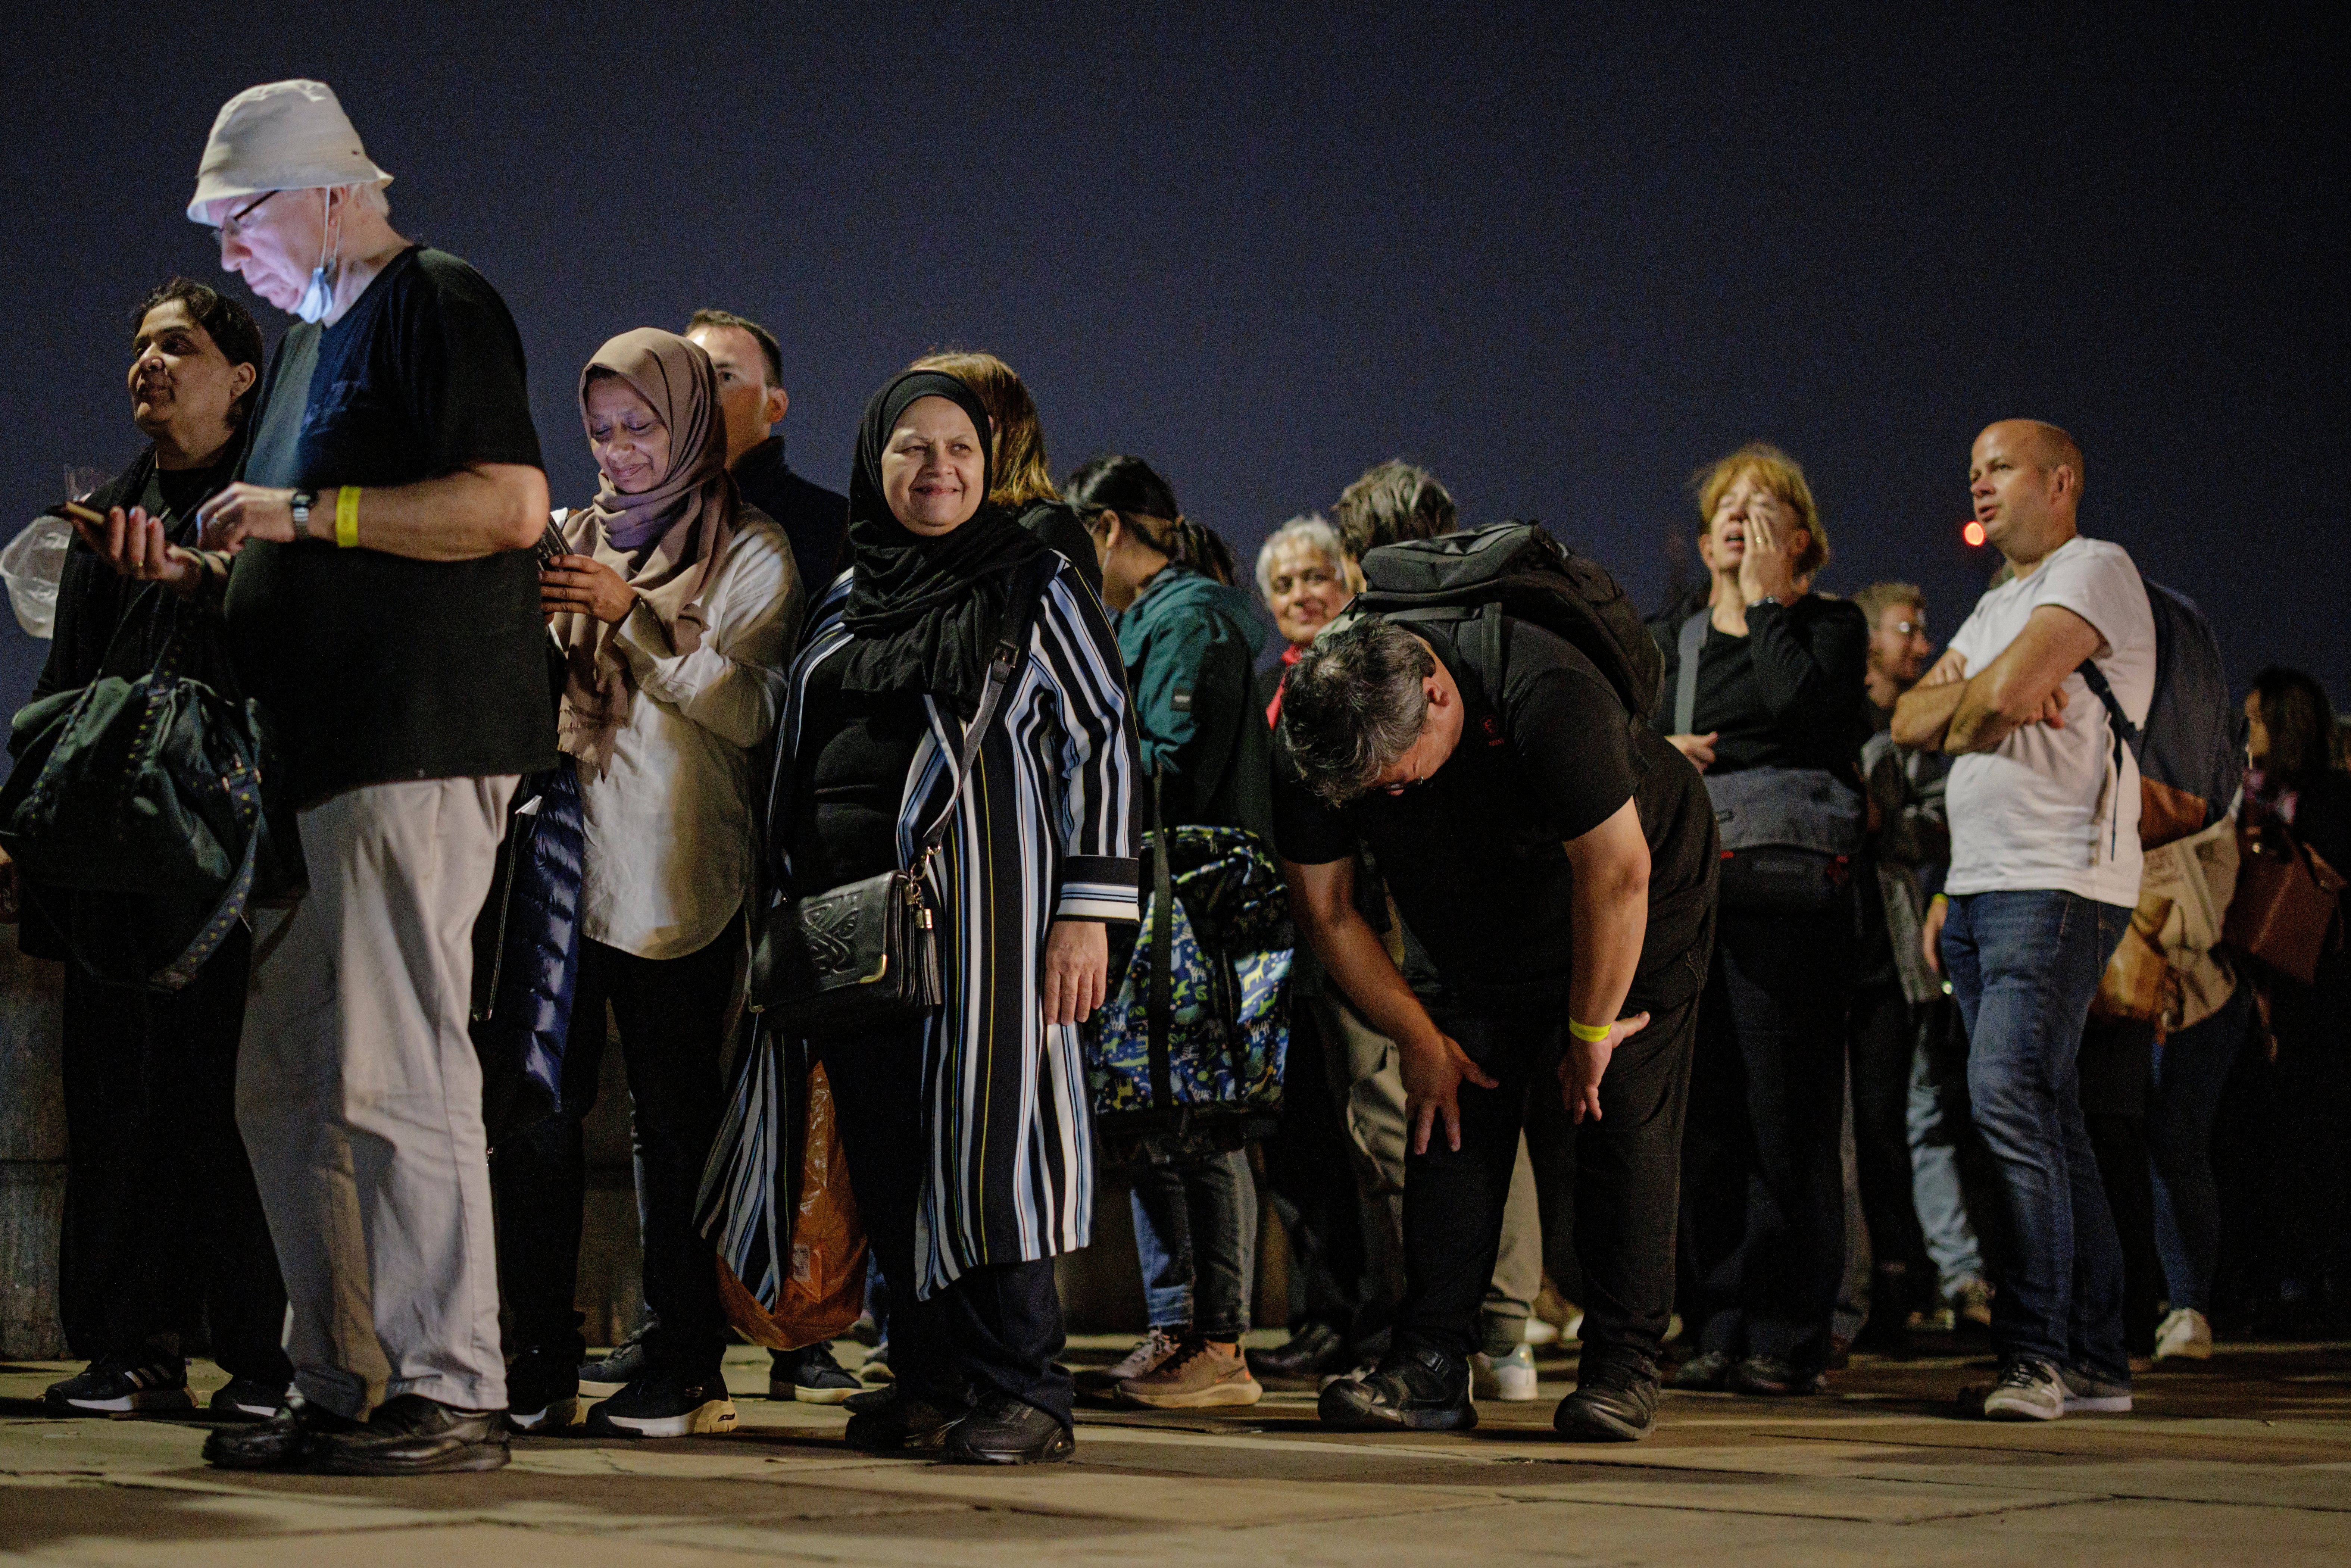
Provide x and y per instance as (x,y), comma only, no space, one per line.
(2191,750)
(1516,569)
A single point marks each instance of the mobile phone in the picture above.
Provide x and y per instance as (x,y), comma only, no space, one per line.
(550,544)
(83,514)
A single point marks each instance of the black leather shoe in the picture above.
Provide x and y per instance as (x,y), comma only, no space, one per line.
(1313,1350)
(409,1435)
(284,1442)
(1615,1402)
(1004,1431)
(1705,1371)
(1774,1377)
(1415,1390)
(903,1421)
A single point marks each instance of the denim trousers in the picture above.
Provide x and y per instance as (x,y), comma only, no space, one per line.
(1195,1233)
(2189,1068)
(2025,966)
(1938,1119)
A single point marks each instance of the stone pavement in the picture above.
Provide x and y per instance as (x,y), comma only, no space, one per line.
(2244,1460)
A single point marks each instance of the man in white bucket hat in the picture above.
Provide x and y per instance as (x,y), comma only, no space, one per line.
(381,601)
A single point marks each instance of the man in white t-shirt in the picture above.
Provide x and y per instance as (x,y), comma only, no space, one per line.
(2043,804)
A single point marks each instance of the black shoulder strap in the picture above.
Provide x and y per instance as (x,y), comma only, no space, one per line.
(1160,1019)
(1691,644)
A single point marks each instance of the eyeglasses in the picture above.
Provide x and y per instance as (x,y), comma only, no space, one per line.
(230,226)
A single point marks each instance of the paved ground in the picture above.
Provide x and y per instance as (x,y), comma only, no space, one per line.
(2244,1460)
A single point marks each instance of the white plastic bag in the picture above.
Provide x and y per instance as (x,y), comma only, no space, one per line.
(31,564)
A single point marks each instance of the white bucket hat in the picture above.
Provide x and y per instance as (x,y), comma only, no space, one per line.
(281,136)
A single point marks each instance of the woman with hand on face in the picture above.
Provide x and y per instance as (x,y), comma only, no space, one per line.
(1778,684)
(968,1127)
(675,611)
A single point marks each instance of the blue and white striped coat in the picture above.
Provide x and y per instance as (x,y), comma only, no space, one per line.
(1051,828)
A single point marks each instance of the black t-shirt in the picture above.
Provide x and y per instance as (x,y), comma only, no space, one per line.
(1475,854)
(375,667)
(848,780)
(1789,694)
(815,520)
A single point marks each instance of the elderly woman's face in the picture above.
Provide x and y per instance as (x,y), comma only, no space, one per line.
(629,439)
(1305,589)
(179,380)
(934,469)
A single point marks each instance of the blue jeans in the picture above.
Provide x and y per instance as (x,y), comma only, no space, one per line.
(1937,1120)
(2189,1068)
(1195,1233)
(2025,966)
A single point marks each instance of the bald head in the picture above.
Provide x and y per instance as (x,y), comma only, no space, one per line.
(2025,475)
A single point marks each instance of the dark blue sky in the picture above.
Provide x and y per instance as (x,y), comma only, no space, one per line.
(1562,258)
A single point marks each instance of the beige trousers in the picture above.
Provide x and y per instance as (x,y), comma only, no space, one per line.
(360,1098)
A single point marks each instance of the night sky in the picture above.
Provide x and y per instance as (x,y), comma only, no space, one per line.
(1563,258)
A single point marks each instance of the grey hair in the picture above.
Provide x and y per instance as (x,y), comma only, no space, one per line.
(1311,528)
(1352,705)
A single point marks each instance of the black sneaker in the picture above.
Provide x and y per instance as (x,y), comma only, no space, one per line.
(112,1384)
(665,1405)
(810,1376)
(542,1392)
(902,1421)
(284,1442)
(1774,1377)
(1704,1372)
(1614,1401)
(409,1435)
(1003,1430)
(626,1363)
(248,1397)
(1417,1390)
(869,1399)
(1316,1348)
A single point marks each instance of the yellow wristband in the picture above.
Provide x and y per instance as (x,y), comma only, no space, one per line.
(346,517)
(1590,1034)
(1938,898)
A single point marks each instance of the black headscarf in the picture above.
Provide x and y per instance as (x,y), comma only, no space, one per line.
(924,613)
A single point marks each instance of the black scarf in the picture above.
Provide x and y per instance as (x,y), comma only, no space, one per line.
(924,613)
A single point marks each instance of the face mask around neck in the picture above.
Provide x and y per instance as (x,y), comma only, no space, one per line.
(318,297)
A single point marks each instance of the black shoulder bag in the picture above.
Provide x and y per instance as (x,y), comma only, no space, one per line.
(867,953)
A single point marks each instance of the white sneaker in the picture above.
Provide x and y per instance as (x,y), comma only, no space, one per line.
(1509,1378)
(2185,1333)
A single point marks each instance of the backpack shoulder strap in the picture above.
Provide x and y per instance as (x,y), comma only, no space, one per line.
(1691,643)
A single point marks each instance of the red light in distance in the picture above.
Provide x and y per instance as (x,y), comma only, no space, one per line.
(1973,533)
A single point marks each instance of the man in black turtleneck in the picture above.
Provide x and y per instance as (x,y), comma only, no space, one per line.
(750,389)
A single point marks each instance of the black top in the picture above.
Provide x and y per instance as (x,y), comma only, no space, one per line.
(1059,525)
(2322,818)
(378,667)
(1475,853)
(1789,694)
(813,518)
(845,792)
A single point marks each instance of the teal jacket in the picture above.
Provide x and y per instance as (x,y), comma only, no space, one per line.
(1191,645)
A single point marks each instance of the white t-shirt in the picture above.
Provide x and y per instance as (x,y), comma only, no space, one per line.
(2046,809)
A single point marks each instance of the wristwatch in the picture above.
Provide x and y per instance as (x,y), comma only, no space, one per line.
(302,503)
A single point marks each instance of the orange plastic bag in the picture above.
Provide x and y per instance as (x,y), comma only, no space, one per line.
(825,1290)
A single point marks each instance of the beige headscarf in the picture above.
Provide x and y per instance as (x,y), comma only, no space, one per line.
(667,542)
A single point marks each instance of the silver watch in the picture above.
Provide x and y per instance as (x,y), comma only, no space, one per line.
(302,502)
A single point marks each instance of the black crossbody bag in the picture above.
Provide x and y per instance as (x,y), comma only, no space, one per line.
(867,953)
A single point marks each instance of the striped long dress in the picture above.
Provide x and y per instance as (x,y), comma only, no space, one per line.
(1050,828)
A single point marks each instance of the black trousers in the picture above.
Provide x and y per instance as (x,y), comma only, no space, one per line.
(1626,1173)
(2117,1069)
(999,1327)
(163,1231)
(1312,1184)
(1763,1203)
(672,1014)
(1885,1038)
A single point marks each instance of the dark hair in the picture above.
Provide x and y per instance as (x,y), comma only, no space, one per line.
(1133,489)
(2303,741)
(1019,477)
(229,324)
(770,349)
(1394,500)
(1353,704)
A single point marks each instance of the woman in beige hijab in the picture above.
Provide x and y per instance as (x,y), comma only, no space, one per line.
(675,610)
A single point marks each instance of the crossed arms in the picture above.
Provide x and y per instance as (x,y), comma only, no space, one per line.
(1952,711)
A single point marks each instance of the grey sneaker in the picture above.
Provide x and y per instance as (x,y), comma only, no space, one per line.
(2100,1396)
(1149,1351)
(2027,1389)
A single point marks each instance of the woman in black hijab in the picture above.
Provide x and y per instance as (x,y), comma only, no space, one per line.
(966,1130)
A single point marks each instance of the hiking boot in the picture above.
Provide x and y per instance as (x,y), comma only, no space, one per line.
(2027,1389)
(665,1405)
(542,1392)
(1102,1382)
(1774,1377)
(2184,1334)
(115,1383)
(1002,1430)
(1316,1348)
(1195,1376)
(247,1398)
(901,1422)
(283,1442)
(810,1376)
(1704,1372)
(409,1435)
(627,1363)
(1615,1402)
(1509,1378)
(1416,1390)
(2089,1392)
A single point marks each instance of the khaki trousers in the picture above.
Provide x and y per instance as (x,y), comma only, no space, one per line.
(360,1098)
